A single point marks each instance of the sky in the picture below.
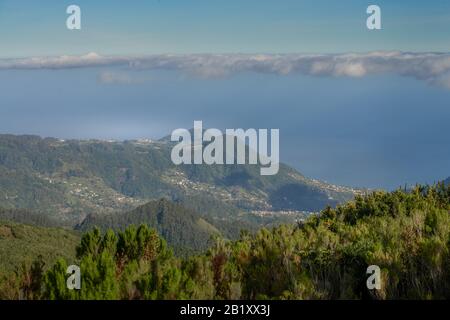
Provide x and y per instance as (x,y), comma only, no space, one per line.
(29,27)
(354,107)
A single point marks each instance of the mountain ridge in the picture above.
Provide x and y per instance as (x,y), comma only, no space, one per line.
(182,228)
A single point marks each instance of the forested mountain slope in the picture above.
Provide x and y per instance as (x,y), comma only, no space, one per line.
(71,179)
(182,228)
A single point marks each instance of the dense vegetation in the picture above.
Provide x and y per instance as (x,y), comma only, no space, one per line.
(182,228)
(407,234)
(21,246)
(71,179)
(30,217)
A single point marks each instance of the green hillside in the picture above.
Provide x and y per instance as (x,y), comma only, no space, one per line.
(22,244)
(72,179)
(29,217)
(182,228)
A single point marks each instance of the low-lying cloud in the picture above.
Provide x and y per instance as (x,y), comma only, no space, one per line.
(433,68)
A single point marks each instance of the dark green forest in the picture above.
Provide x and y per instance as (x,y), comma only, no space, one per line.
(405,232)
(182,228)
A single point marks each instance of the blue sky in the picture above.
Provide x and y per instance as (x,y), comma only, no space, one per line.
(368,120)
(29,27)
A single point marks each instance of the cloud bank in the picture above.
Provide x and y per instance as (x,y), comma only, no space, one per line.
(433,68)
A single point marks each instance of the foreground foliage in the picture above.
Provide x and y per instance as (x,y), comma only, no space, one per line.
(407,234)
(26,251)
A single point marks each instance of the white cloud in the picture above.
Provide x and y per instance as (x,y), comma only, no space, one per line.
(61,62)
(433,68)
